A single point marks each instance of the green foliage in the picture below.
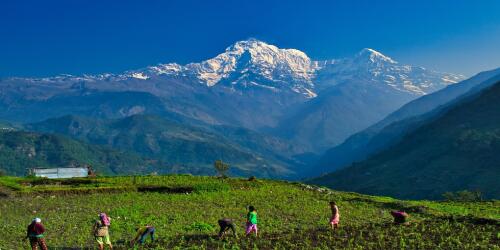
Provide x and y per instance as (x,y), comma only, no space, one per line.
(22,150)
(200,227)
(212,187)
(463,195)
(291,215)
(457,150)
(221,167)
(188,149)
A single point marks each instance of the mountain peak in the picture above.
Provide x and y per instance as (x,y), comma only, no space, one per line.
(257,48)
(253,62)
(249,43)
(373,56)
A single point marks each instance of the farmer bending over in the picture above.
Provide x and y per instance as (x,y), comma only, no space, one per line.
(225,225)
(35,235)
(142,234)
(399,217)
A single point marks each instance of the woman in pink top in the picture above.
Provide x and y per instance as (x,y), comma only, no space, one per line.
(334,220)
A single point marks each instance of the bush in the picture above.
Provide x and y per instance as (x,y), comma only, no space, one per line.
(211,187)
(200,227)
(464,195)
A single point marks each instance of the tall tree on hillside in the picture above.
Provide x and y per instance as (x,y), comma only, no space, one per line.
(221,167)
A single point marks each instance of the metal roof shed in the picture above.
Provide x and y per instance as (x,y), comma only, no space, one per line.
(55,173)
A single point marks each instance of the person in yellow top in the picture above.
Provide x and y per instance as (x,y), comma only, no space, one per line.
(142,234)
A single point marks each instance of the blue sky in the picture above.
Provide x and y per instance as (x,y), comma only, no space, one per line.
(41,38)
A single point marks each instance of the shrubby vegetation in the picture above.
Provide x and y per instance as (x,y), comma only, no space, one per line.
(464,195)
(185,209)
(21,150)
(457,150)
(185,148)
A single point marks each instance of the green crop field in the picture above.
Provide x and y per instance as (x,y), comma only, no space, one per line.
(185,209)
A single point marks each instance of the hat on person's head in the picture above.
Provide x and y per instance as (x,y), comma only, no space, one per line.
(37,220)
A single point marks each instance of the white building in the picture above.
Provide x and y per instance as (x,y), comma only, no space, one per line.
(54,173)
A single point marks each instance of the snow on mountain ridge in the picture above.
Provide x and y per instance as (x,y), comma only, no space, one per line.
(372,66)
(253,63)
(374,56)
(262,59)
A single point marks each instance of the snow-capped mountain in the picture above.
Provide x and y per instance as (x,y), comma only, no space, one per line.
(253,63)
(373,66)
(251,84)
(246,63)
(256,63)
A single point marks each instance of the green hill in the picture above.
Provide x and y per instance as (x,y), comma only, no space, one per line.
(20,150)
(459,150)
(391,129)
(188,149)
(185,210)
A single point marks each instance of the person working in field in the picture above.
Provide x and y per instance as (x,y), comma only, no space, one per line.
(252,221)
(35,235)
(334,220)
(142,234)
(101,231)
(225,225)
(399,217)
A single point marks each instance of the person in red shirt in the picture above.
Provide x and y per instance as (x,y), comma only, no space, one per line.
(35,235)
(399,217)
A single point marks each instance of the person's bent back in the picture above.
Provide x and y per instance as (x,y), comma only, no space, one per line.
(35,235)
(142,233)
(225,225)
(399,217)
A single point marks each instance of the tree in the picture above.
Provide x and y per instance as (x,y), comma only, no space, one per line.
(221,167)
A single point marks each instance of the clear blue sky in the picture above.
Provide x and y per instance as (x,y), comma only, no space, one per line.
(41,38)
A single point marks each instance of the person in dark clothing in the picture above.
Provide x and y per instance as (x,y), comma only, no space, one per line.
(225,225)
(399,217)
(35,235)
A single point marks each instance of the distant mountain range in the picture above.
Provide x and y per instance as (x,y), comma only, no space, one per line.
(454,147)
(252,89)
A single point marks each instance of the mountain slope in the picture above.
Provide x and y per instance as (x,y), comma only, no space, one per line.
(339,112)
(354,93)
(20,150)
(251,84)
(90,103)
(188,149)
(392,128)
(457,150)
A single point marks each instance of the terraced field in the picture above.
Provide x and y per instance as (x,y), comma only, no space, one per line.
(185,209)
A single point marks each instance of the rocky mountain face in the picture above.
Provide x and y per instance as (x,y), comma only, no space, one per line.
(253,85)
